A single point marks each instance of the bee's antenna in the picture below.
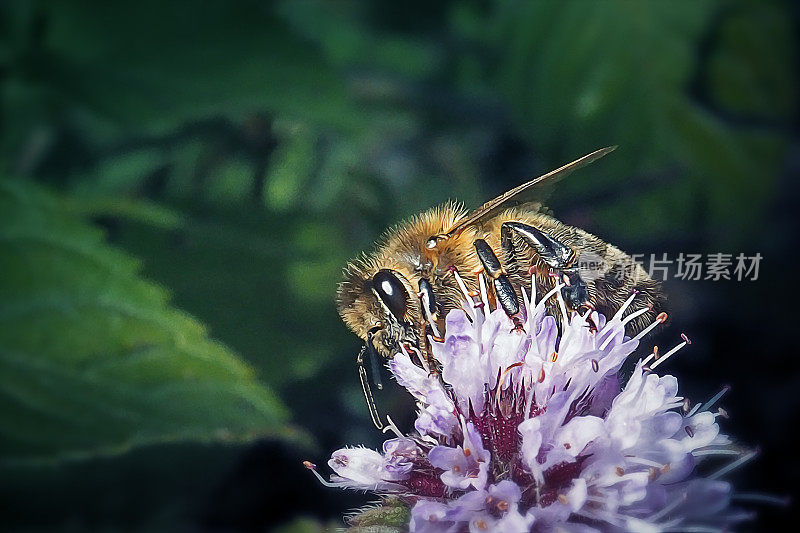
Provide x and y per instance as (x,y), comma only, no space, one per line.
(362,374)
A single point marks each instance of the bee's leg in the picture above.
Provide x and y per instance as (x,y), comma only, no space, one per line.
(506,295)
(576,293)
(375,360)
(555,254)
(362,375)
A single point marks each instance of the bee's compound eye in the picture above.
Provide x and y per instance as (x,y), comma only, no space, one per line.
(391,291)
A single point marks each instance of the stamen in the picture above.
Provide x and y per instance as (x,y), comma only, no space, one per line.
(668,508)
(635,314)
(645,462)
(710,403)
(734,465)
(463,287)
(430,319)
(529,403)
(660,319)
(549,294)
(484,294)
(762,498)
(672,351)
(311,466)
(562,306)
(533,290)
(423,360)
(392,427)
(595,365)
(694,529)
(624,307)
(715,451)
(502,380)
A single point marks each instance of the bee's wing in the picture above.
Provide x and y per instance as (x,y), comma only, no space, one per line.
(493,205)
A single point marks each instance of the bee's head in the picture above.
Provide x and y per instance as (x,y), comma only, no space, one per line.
(379,305)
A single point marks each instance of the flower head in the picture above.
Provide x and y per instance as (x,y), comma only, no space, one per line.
(528,428)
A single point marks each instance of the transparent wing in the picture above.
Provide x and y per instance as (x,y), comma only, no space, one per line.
(492,206)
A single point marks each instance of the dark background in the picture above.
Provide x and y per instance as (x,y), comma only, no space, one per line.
(242,152)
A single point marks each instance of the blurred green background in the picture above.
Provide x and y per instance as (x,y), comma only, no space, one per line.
(182,182)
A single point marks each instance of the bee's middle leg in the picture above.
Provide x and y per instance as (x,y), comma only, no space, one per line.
(506,295)
(555,254)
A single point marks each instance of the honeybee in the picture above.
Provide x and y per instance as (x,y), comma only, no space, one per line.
(398,295)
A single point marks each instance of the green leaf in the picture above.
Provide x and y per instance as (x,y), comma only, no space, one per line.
(390,516)
(93,359)
(153,65)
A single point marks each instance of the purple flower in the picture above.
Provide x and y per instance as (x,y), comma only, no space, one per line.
(466,465)
(531,430)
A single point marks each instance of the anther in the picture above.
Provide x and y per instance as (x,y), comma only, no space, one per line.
(652,356)
(595,365)
(502,506)
(686,405)
(541,375)
(620,472)
(660,319)
(672,351)
(689,431)
(562,499)
(554,357)
(311,466)
(723,413)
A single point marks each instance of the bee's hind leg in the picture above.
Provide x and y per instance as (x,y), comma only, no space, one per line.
(555,254)
(506,295)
